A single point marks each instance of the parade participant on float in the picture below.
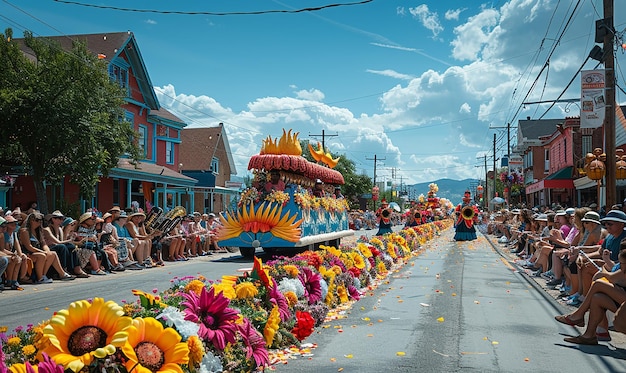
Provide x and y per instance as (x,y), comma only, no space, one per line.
(384,218)
(318,189)
(466,215)
(275,183)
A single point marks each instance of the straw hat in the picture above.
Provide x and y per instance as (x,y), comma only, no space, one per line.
(591,216)
(136,214)
(84,217)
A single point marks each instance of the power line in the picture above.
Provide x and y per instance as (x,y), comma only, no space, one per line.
(301,10)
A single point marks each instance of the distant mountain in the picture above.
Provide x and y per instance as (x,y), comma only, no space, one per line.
(448,188)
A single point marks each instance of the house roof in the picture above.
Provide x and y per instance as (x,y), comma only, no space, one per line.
(197,145)
(163,116)
(109,46)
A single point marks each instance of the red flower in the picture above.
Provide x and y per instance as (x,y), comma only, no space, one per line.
(304,325)
(355,271)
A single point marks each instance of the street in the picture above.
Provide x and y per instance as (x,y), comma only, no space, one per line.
(456,307)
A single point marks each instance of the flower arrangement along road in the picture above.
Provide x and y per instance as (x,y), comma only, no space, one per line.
(236,324)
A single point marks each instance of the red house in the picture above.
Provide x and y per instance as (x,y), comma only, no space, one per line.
(156,180)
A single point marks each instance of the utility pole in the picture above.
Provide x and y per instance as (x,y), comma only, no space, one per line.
(375,159)
(609,109)
(494,165)
(324,136)
(486,194)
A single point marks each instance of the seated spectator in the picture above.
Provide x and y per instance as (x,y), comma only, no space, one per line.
(65,249)
(86,239)
(19,262)
(142,254)
(606,293)
(32,241)
(105,244)
(189,233)
(604,255)
(590,234)
(128,245)
(212,225)
(174,244)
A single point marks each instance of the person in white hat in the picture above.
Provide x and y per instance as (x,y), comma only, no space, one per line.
(33,243)
(65,249)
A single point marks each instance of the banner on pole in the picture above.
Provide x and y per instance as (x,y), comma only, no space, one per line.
(592,100)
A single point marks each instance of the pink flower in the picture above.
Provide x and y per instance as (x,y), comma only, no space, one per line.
(312,287)
(217,321)
(277,298)
(254,342)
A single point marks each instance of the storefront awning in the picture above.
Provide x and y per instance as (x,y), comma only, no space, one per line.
(150,172)
(559,179)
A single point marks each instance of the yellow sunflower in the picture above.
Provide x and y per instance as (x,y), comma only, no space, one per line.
(246,290)
(152,349)
(364,249)
(271,327)
(84,331)
(359,262)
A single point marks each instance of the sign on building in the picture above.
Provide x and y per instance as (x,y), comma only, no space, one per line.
(592,99)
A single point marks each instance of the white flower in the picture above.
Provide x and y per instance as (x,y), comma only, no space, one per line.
(175,317)
(210,364)
(291,284)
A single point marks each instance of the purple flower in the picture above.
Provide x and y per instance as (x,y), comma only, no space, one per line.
(311,282)
(254,342)
(48,365)
(277,298)
(217,321)
(354,292)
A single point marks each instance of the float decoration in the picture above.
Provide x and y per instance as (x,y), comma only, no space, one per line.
(285,154)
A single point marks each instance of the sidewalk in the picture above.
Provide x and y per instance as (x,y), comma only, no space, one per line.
(539,283)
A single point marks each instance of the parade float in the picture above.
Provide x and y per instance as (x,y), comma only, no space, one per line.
(292,217)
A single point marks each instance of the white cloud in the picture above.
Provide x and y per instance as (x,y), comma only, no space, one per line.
(465,108)
(391,73)
(312,94)
(453,14)
(429,20)
(151,22)
(473,35)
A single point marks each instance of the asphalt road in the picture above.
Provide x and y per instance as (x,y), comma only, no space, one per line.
(458,307)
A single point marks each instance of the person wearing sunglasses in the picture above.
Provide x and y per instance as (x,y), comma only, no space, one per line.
(32,241)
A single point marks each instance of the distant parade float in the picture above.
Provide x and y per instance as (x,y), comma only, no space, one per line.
(290,204)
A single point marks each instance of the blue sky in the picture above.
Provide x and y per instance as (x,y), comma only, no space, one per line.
(420,84)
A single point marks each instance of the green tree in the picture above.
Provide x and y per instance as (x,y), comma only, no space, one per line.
(64,113)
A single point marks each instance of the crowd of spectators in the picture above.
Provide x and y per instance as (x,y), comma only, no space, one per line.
(38,249)
(581,252)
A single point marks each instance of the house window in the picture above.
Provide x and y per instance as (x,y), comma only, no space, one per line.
(215,165)
(546,167)
(143,141)
(587,146)
(119,75)
(169,152)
